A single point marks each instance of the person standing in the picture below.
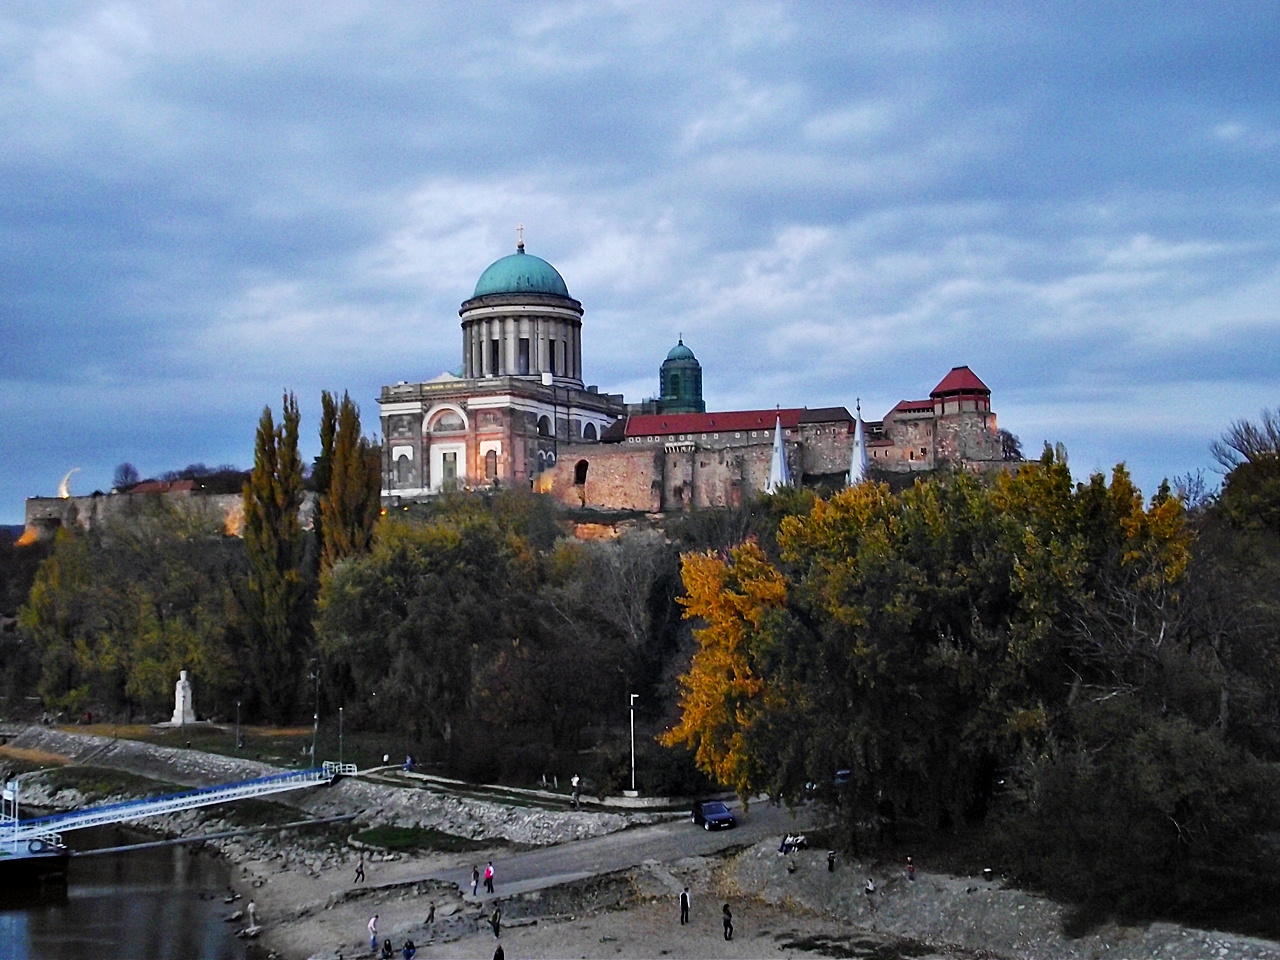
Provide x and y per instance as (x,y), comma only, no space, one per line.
(495,921)
(488,877)
(911,869)
(373,932)
(475,879)
(431,920)
(684,906)
(252,910)
(728,922)
(360,870)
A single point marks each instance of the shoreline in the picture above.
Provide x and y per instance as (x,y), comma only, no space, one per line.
(783,905)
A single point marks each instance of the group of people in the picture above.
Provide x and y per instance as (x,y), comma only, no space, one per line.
(869,888)
(726,914)
(488,879)
(408,951)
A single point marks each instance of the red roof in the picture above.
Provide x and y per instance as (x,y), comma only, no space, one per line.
(663,424)
(960,380)
(913,406)
(163,486)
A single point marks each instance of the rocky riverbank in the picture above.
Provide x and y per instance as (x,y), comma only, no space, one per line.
(311,905)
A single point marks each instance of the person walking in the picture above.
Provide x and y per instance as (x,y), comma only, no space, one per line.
(360,870)
(728,922)
(488,877)
(475,879)
(495,920)
(373,932)
(431,919)
(684,906)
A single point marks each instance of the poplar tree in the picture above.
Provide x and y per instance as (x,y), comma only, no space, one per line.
(277,599)
(350,497)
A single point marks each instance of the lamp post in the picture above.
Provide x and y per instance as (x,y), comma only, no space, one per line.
(340,735)
(633,742)
(315,717)
(237,726)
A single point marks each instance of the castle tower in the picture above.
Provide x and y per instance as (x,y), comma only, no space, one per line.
(680,382)
(521,322)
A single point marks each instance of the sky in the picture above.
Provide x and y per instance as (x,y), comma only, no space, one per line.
(203,204)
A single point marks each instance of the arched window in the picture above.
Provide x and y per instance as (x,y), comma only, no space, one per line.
(542,460)
(544,426)
(404,471)
(491,465)
(589,432)
(448,422)
(580,473)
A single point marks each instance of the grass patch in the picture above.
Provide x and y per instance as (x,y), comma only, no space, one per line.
(420,838)
(97,783)
(33,758)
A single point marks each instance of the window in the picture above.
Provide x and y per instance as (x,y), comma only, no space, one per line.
(551,356)
(523,368)
(448,422)
(491,465)
(544,426)
(589,432)
(404,471)
(580,473)
(495,357)
(449,468)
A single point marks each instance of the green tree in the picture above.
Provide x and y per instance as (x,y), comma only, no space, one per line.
(278,599)
(116,613)
(351,473)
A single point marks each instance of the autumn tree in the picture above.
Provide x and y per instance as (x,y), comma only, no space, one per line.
(277,599)
(349,480)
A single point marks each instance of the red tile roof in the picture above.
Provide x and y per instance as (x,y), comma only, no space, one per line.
(664,424)
(912,406)
(960,380)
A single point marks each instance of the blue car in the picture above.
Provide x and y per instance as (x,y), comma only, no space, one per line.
(713,815)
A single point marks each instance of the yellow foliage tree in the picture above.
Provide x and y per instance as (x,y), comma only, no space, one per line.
(722,695)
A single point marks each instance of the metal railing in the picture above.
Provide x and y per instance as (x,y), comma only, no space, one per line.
(42,827)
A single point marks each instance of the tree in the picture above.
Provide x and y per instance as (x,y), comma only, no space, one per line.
(1010,446)
(115,614)
(350,484)
(723,694)
(126,476)
(277,599)
(1250,453)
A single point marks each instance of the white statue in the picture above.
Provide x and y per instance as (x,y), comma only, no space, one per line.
(183,707)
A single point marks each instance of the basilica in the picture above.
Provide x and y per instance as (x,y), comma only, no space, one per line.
(521,415)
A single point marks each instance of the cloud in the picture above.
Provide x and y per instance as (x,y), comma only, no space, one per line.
(210,201)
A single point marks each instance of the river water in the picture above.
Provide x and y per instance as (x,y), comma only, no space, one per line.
(159,904)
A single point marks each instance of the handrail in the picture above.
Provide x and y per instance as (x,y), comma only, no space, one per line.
(168,803)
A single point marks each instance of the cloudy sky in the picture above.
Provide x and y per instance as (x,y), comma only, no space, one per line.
(205,203)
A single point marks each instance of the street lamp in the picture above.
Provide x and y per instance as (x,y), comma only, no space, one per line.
(315,728)
(633,742)
(237,726)
(340,735)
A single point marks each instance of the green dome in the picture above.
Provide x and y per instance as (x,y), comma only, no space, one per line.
(681,352)
(521,273)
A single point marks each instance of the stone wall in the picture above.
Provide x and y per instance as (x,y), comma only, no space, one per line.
(44,515)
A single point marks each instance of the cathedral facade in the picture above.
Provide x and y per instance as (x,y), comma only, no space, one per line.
(521,415)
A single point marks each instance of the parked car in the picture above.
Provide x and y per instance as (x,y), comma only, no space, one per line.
(713,815)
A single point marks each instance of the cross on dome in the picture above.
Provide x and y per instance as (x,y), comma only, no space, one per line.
(520,237)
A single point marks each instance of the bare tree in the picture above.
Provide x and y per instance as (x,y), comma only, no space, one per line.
(1248,442)
(126,475)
